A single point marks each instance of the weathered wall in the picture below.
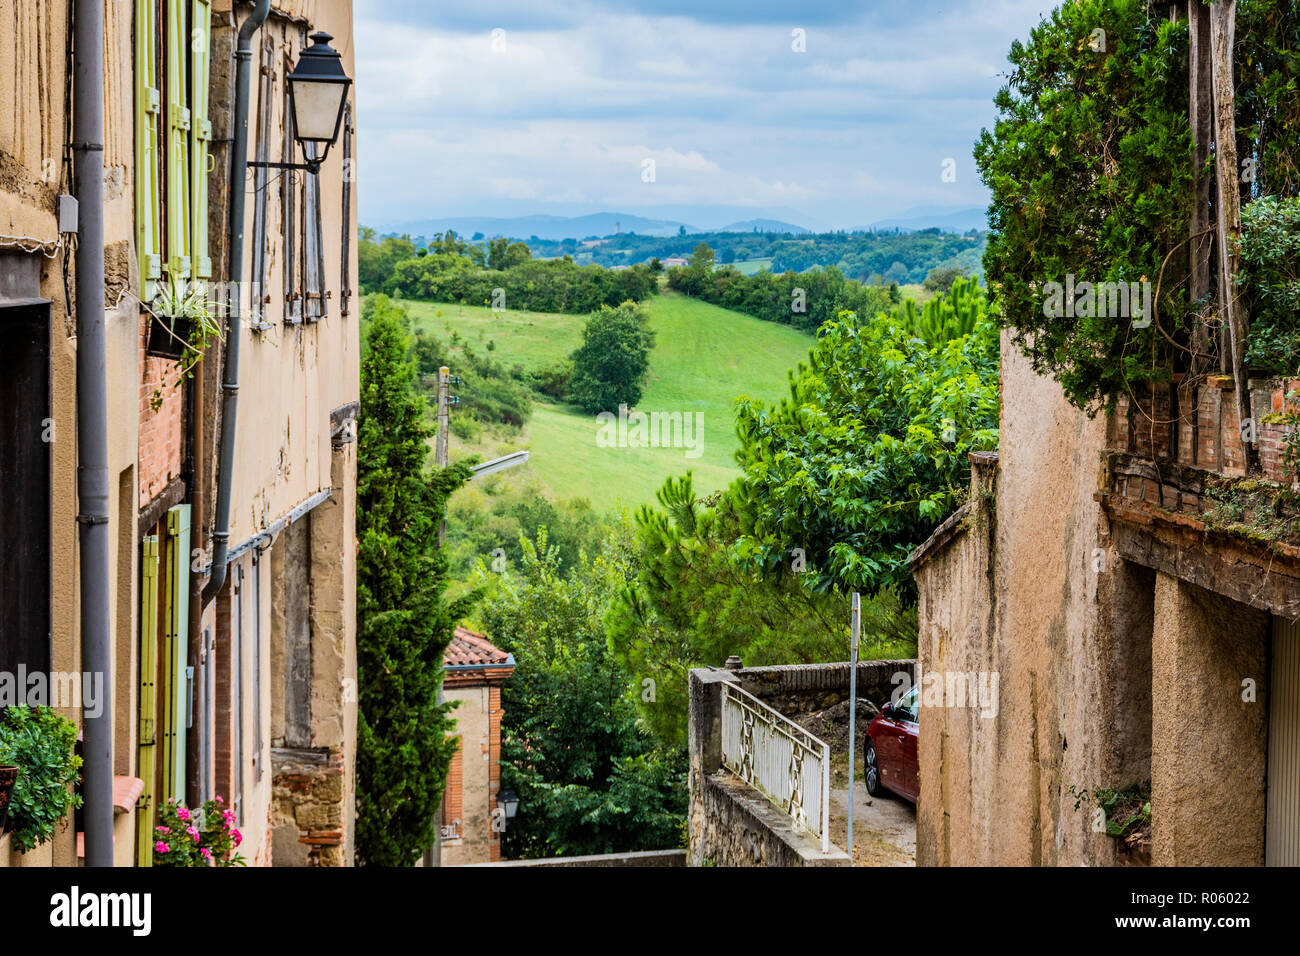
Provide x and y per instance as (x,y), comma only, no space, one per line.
(472,726)
(735,825)
(1018,594)
(1208,776)
(800,688)
(32,174)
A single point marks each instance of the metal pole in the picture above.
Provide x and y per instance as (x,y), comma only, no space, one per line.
(853,707)
(92,425)
(230,371)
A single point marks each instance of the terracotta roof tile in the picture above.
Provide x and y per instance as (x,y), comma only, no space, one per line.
(468,648)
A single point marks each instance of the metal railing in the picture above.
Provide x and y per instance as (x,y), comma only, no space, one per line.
(780,759)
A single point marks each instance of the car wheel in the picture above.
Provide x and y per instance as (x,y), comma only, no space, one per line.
(870,769)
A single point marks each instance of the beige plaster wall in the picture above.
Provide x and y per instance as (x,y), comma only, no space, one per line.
(471,716)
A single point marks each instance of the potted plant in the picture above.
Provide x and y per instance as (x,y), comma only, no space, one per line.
(39,745)
(182,324)
(205,837)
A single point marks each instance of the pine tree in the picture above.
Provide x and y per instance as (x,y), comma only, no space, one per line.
(403,619)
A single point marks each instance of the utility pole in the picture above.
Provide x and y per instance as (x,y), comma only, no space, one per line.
(854,627)
(444,421)
(433,856)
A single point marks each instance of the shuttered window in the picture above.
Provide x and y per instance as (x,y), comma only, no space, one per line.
(148,113)
(178,142)
(147,742)
(173,135)
(262,181)
(313,250)
(345,254)
(200,134)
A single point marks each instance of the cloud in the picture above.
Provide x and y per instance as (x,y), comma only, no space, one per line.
(564,105)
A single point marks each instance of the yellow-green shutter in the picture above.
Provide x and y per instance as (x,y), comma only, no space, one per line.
(148,113)
(178,142)
(201,129)
(176,598)
(144,813)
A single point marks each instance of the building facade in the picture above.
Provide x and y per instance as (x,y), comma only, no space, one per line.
(473,672)
(1135,592)
(249,695)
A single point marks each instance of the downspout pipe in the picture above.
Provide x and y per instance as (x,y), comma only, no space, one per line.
(230,369)
(92,426)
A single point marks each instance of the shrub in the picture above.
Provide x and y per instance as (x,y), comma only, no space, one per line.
(1270,283)
(41,744)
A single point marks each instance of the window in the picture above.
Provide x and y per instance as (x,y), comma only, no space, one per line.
(172,138)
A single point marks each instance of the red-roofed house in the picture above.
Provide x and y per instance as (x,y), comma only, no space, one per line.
(474,670)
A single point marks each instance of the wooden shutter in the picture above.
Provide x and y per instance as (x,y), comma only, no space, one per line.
(292,289)
(176,606)
(148,699)
(313,253)
(178,142)
(148,114)
(345,255)
(261,180)
(201,134)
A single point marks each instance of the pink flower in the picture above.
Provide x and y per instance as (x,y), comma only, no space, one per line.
(206,853)
(162,829)
(193,831)
(239,838)
(162,847)
(219,800)
(182,813)
(228,816)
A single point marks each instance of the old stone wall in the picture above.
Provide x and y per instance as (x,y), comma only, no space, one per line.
(737,826)
(308,811)
(800,688)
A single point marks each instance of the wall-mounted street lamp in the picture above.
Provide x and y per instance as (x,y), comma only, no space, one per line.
(318,95)
(508,802)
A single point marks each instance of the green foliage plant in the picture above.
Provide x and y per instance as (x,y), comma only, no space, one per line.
(41,744)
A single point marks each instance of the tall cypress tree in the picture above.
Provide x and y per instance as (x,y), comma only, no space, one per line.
(403,619)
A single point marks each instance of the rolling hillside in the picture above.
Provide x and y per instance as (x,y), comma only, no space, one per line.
(704,358)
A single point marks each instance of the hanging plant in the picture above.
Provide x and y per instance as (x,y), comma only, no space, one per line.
(183,323)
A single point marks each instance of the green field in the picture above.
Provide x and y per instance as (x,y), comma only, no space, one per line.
(704,357)
(749,267)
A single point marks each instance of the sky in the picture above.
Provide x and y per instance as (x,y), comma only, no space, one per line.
(828,114)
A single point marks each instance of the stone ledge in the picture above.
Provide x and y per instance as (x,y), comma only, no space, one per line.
(744,829)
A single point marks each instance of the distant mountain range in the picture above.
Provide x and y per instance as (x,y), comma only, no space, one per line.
(602,224)
(547,227)
(960,220)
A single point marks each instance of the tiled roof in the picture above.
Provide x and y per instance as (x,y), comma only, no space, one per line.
(469,649)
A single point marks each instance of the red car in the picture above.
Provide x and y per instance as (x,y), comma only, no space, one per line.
(889,754)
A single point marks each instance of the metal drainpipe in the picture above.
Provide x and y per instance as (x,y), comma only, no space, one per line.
(92,425)
(230,370)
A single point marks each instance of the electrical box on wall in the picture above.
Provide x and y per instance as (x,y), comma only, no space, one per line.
(67,214)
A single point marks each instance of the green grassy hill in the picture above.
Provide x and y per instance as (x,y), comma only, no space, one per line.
(704,357)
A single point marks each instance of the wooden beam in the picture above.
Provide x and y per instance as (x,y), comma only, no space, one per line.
(1223,19)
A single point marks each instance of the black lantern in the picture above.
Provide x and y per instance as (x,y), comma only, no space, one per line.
(508,801)
(318,95)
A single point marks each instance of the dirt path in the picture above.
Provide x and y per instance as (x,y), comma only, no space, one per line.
(884,827)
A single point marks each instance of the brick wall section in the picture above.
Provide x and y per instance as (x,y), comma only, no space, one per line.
(452,795)
(161,441)
(307,807)
(1207,434)
(494,766)
(223,741)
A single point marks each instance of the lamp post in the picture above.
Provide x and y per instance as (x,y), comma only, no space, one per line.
(508,801)
(318,95)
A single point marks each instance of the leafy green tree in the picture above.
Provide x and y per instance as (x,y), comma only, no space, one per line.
(403,620)
(1090,169)
(589,779)
(692,604)
(869,452)
(610,366)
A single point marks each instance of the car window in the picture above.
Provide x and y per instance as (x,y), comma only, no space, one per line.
(906,709)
